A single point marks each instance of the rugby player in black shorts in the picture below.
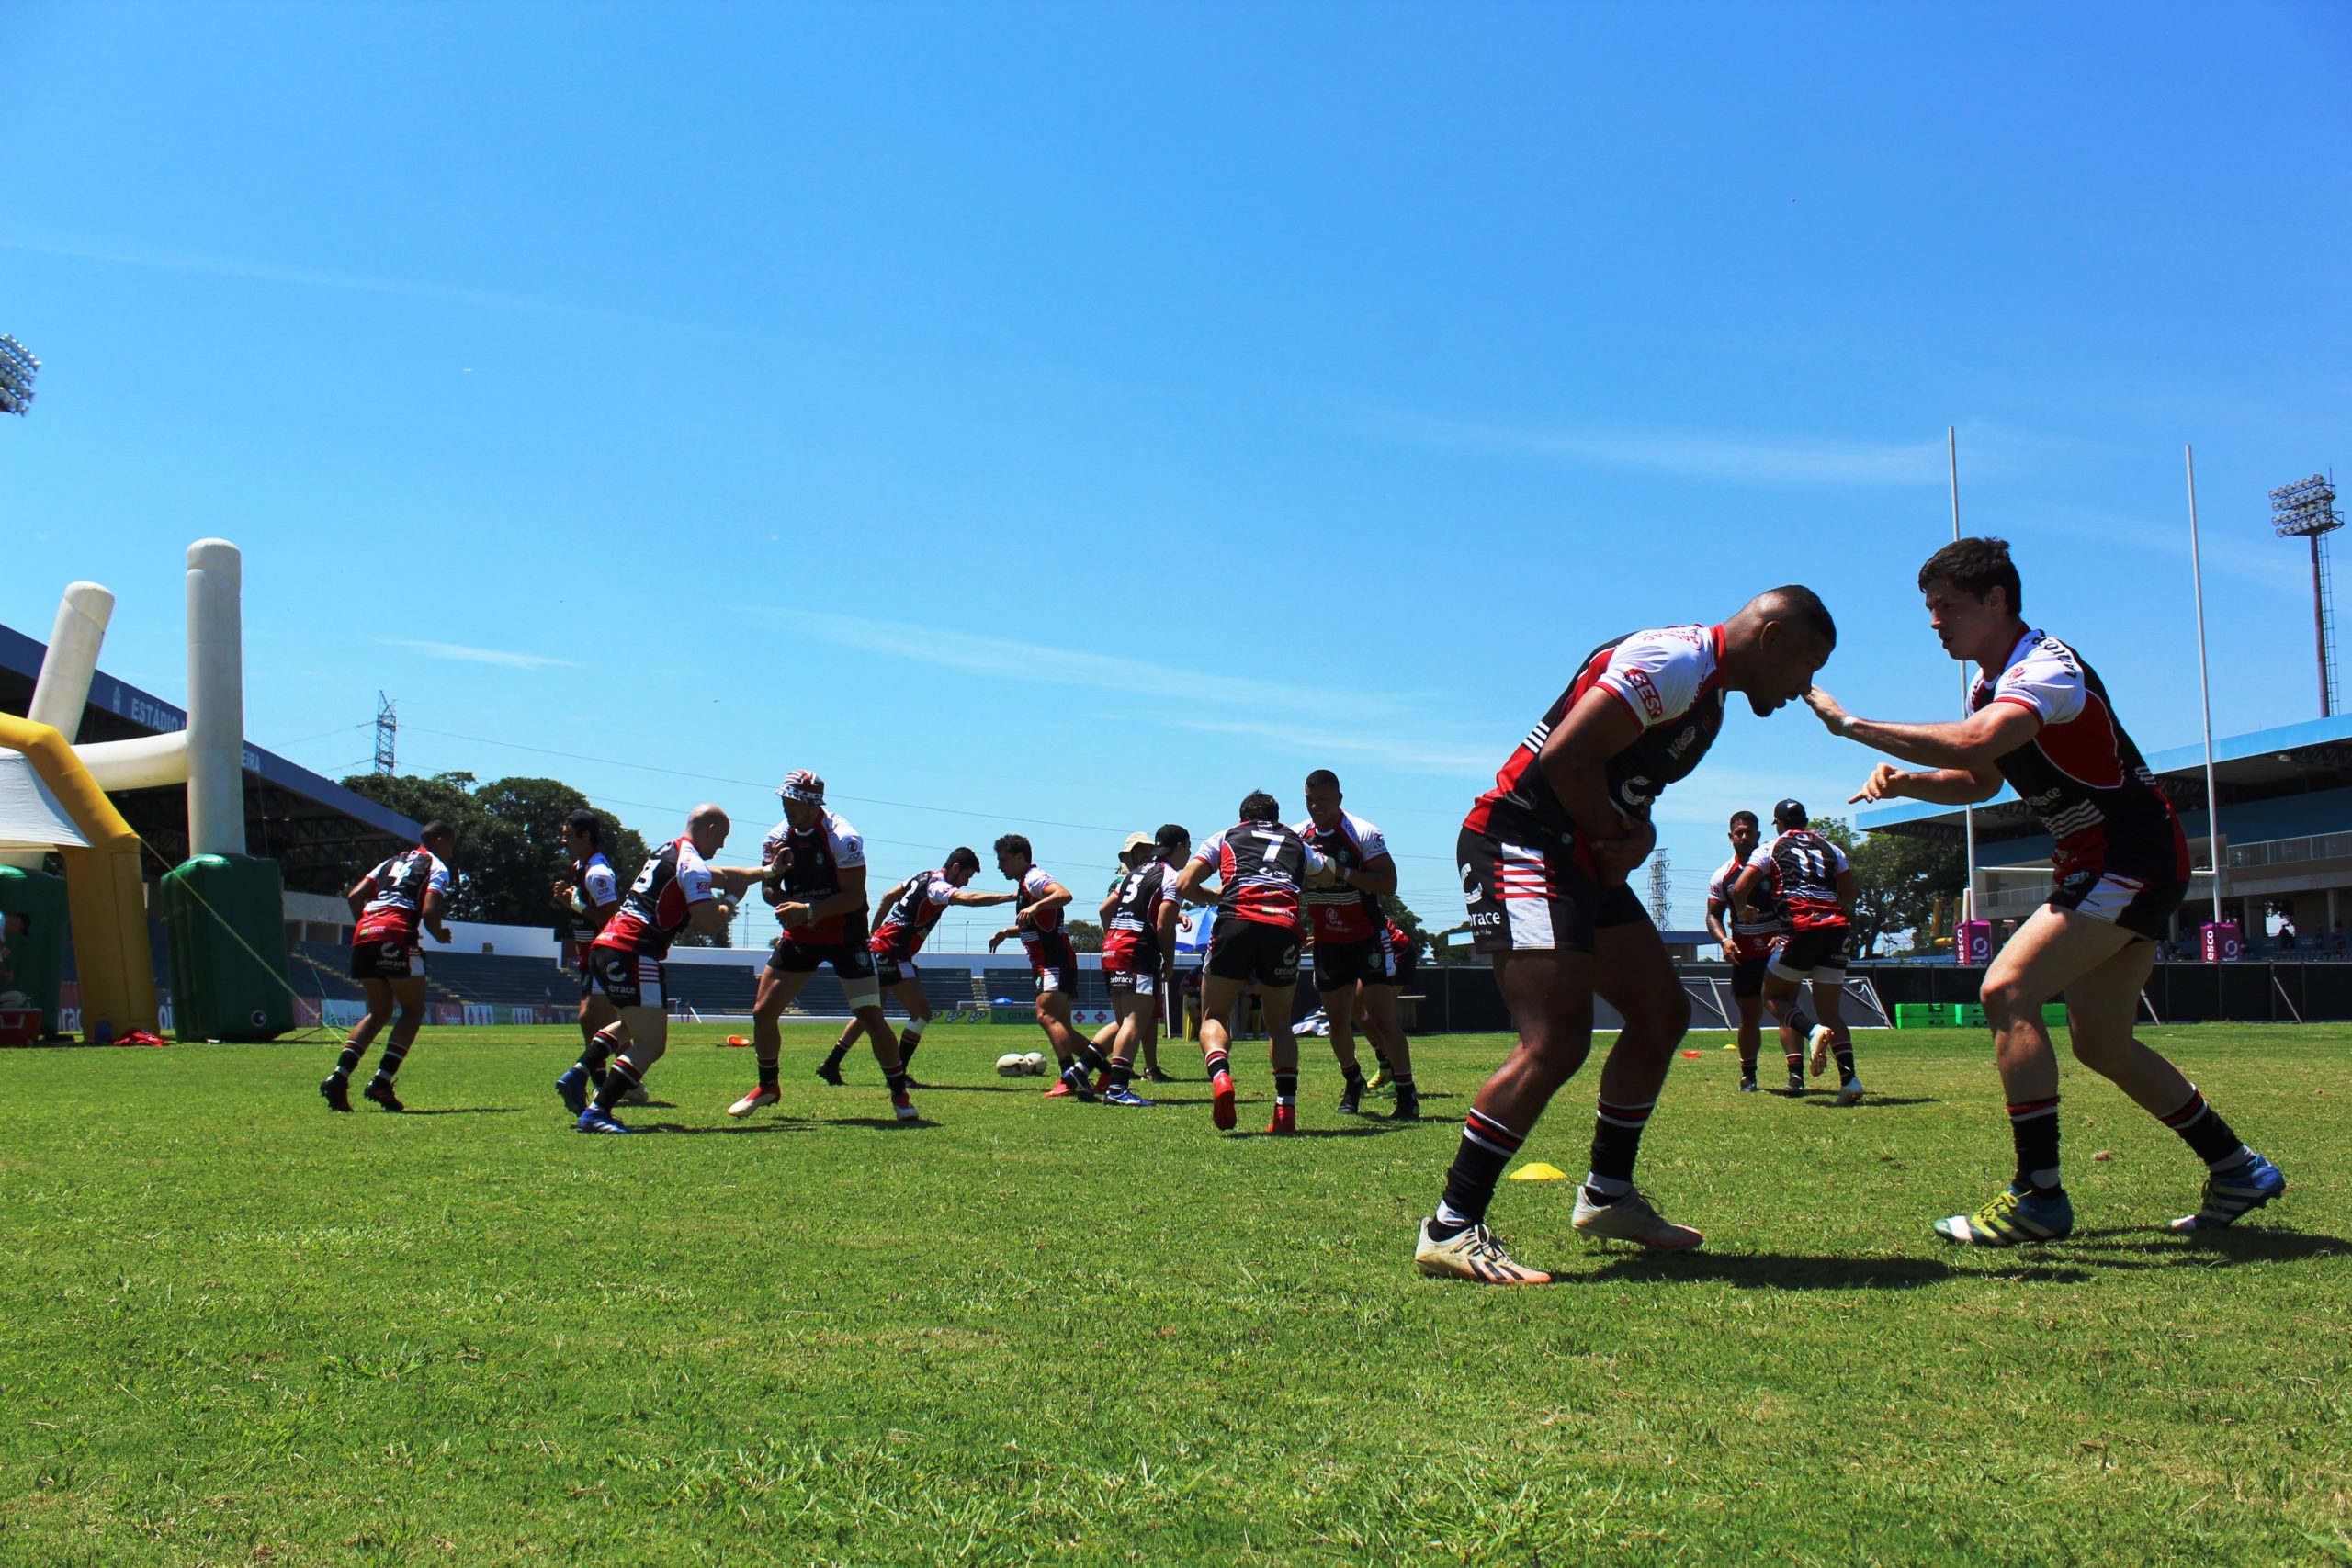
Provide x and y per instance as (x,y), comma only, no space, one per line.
(1139,921)
(2040,719)
(1262,867)
(1806,877)
(1354,962)
(1544,856)
(1747,947)
(910,910)
(1040,923)
(388,905)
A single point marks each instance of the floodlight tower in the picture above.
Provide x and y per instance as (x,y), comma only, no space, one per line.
(2306,509)
(388,732)
(1661,888)
(17,368)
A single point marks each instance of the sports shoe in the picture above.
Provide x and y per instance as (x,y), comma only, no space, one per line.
(1748,1085)
(1075,1082)
(2012,1218)
(1059,1091)
(1472,1253)
(2230,1193)
(903,1106)
(1797,1082)
(1285,1120)
(1851,1092)
(1821,1038)
(1101,1083)
(380,1091)
(1155,1075)
(1221,1101)
(337,1092)
(1351,1097)
(1631,1218)
(1408,1106)
(1379,1082)
(572,1090)
(595,1121)
(1120,1094)
(637,1096)
(830,1071)
(753,1101)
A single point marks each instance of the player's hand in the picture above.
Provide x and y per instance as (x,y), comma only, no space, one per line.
(792,915)
(562,891)
(1885,783)
(1616,858)
(441,933)
(997,941)
(1824,707)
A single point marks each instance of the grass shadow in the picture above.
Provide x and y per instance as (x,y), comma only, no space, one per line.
(466,1110)
(1372,1130)
(889,1122)
(1774,1271)
(2206,1249)
(1828,1101)
(732,1129)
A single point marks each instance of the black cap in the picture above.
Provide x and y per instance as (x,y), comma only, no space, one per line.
(1172,834)
(1788,814)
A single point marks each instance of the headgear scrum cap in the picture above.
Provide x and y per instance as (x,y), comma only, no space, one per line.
(802,785)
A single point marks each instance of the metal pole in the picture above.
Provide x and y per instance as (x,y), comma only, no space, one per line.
(1967,690)
(2318,623)
(2204,689)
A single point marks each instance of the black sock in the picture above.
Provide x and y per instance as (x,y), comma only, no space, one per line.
(2033,1123)
(1285,1088)
(1090,1059)
(352,1052)
(1798,1021)
(1353,1074)
(1844,1051)
(1218,1062)
(898,1081)
(1121,1074)
(1748,1055)
(619,1078)
(1617,1139)
(2209,1137)
(387,1066)
(767,1072)
(1380,1056)
(1487,1147)
(907,1044)
(598,1052)
(1404,1083)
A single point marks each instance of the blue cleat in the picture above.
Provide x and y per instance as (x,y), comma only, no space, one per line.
(2240,1190)
(1120,1094)
(2011,1219)
(572,1090)
(593,1119)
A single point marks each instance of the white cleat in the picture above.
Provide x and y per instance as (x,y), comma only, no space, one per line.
(753,1101)
(1631,1218)
(1472,1254)
(1823,1037)
(1851,1092)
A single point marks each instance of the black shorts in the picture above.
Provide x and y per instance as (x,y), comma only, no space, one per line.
(628,979)
(1133,982)
(387,958)
(1747,976)
(2139,894)
(1342,963)
(1053,963)
(1252,950)
(851,960)
(1815,954)
(1535,898)
(889,969)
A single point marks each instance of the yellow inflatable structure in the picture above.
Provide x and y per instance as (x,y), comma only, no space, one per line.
(105,898)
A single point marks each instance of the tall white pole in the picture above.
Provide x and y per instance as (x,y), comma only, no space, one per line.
(216,700)
(1967,687)
(2204,689)
(62,688)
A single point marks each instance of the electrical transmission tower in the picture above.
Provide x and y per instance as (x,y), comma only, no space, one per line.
(1661,896)
(388,731)
(2306,510)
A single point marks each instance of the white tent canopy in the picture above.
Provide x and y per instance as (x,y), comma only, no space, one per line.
(31,817)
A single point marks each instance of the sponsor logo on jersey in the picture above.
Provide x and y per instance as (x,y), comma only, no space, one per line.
(1652,703)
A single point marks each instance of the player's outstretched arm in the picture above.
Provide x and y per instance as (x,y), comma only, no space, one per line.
(1969,744)
(1938,786)
(972,899)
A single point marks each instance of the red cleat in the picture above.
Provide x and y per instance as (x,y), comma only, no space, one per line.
(1057,1091)
(1285,1120)
(1221,1101)
(1103,1081)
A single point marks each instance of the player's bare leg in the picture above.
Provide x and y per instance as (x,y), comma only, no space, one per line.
(1829,1007)
(1281,1051)
(1634,975)
(1389,1043)
(408,999)
(649,1030)
(1217,997)
(886,1054)
(1751,1037)
(1798,1032)
(1076,1055)
(776,993)
(1137,1022)
(603,1034)
(378,997)
(829,1070)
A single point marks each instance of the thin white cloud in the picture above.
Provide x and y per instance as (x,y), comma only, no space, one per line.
(1401,752)
(2270,564)
(497,656)
(1765,459)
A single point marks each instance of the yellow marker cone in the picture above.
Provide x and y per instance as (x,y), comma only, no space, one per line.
(1536,1170)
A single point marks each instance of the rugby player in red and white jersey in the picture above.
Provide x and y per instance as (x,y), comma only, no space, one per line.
(910,910)
(1806,878)
(1747,947)
(1139,921)
(1355,963)
(1262,867)
(590,897)
(677,888)
(1039,921)
(2045,724)
(1544,856)
(816,883)
(388,905)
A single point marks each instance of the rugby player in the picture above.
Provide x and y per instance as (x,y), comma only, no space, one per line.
(910,910)
(591,898)
(676,887)
(388,905)
(816,883)
(1814,888)
(2045,724)
(1747,947)
(1355,964)
(1139,922)
(1038,921)
(1544,856)
(1262,867)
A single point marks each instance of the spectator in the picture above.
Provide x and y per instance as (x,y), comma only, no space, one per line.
(2287,936)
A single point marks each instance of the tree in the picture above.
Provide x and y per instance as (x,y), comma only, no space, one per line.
(509,847)
(1085,936)
(1899,880)
(1396,909)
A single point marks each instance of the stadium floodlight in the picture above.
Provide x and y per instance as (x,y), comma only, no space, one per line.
(2306,510)
(17,368)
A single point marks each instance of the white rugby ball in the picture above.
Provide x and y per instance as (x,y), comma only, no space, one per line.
(1035,1063)
(1012,1065)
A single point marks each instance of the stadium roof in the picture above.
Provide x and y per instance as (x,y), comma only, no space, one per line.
(292,814)
(2294,758)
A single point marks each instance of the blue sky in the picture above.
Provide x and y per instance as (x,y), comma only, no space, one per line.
(1076,416)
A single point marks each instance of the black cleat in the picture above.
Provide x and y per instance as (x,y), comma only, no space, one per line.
(337,1092)
(1351,1097)
(831,1072)
(1156,1076)
(1408,1106)
(1796,1083)
(380,1091)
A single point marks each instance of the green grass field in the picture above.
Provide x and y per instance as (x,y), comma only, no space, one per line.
(235,1329)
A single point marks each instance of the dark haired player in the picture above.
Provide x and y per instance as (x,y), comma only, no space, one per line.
(1544,856)
(1354,962)
(1807,878)
(388,905)
(1039,922)
(1262,867)
(816,884)
(910,910)
(1139,921)
(589,897)
(1747,938)
(2039,719)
